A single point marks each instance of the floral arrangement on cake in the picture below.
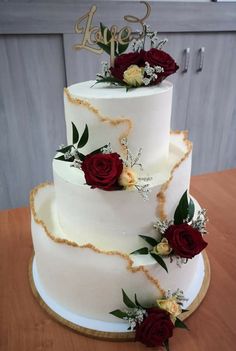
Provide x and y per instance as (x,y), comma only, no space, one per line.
(179,238)
(103,168)
(153,326)
(140,67)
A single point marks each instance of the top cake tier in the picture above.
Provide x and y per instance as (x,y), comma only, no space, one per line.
(141,115)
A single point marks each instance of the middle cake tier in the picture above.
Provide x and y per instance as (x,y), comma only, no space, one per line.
(113,220)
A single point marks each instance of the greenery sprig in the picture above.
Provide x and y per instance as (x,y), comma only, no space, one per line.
(135,314)
(70,151)
(183,214)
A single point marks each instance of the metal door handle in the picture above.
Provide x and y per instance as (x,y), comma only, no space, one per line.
(186,54)
(201,59)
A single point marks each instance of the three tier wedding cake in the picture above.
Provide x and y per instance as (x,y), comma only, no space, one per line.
(118,221)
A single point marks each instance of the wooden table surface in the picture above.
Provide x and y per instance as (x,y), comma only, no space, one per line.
(24,325)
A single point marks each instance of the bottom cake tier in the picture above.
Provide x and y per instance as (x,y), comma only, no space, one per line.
(81,284)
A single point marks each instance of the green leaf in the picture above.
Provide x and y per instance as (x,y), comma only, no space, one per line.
(102,28)
(122,47)
(65,149)
(181,211)
(81,156)
(180,324)
(75,134)
(103,46)
(137,302)
(166,344)
(142,251)
(119,314)
(62,158)
(84,139)
(151,241)
(127,300)
(129,87)
(191,209)
(160,260)
(183,310)
(111,80)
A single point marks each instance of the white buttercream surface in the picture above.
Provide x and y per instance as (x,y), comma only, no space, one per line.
(113,220)
(142,115)
(80,282)
(89,90)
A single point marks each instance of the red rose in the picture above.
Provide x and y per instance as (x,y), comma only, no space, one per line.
(155,329)
(102,170)
(185,240)
(123,61)
(157,57)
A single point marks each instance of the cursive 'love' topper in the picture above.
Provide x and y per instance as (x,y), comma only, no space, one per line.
(92,35)
(147,64)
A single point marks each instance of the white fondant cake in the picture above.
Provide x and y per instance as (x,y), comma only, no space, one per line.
(83,237)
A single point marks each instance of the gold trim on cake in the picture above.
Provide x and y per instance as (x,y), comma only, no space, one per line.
(104,119)
(56,239)
(120,336)
(161,196)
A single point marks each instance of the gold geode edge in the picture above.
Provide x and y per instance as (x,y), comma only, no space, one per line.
(103,119)
(56,239)
(161,197)
(161,204)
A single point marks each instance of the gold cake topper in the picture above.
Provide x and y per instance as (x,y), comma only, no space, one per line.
(93,34)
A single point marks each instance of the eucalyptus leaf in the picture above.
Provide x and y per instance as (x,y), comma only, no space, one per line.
(65,149)
(142,251)
(160,260)
(180,324)
(119,314)
(75,134)
(151,241)
(191,209)
(181,211)
(127,300)
(84,139)
(166,344)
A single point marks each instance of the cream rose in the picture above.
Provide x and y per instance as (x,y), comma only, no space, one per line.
(171,306)
(128,178)
(133,76)
(163,248)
